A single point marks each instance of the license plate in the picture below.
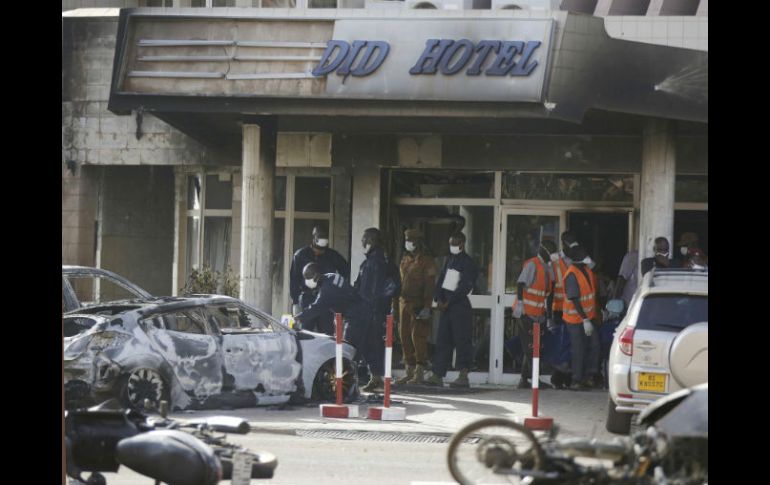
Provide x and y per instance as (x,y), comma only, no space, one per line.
(241,468)
(652,382)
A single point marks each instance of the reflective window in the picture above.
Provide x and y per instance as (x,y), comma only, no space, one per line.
(672,313)
(691,188)
(322,3)
(312,194)
(443,184)
(219,192)
(190,321)
(584,187)
(525,233)
(277,263)
(279,194)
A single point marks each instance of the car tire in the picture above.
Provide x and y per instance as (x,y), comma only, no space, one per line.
(324,384)
(143,383)
(618,423)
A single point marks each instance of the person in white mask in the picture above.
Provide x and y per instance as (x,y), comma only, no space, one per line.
(418,279)
(329,261)
(453,286)
(662,257)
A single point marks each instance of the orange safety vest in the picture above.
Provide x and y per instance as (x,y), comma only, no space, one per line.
(535,295)
(559,295)
(587,296)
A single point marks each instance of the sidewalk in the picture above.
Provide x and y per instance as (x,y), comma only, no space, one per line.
(434,411)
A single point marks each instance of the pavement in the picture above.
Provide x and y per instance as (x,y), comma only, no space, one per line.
(437,411)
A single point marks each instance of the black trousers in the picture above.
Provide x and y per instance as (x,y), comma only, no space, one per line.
(455,331)
(321,324)
(367,333)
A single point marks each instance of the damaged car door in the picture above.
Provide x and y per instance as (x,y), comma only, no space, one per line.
(191,347)
(260,355)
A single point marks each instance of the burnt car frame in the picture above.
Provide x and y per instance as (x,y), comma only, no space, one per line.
(202,351)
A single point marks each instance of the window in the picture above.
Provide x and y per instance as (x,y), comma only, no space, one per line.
(583,187)
(449,184)
(301,203)
(188,321)
(672,312)
(229,317)
(691,188)
(209,221)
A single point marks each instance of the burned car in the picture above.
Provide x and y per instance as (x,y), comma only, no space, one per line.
(199,352)
(83,286)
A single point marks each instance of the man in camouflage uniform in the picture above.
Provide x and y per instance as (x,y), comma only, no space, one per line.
(418,279)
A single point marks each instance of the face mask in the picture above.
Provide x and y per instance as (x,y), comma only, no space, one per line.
(367,248)
(665,255)
(322,243)
(554,257)
(409,245)
(454,249)
(683,250)
(311,283)
(589,262)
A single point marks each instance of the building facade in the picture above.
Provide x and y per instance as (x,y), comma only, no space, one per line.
(222,136)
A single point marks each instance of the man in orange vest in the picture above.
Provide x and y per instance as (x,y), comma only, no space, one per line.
(534,290)
(580,315)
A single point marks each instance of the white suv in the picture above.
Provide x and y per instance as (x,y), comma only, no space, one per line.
(661,345)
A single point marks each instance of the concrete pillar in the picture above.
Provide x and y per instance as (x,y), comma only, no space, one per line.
(257,216)
(366,212)
(657,187)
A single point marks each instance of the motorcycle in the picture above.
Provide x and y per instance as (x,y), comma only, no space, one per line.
(671,449)
(176,452)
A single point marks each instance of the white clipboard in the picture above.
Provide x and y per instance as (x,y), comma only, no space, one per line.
(451,279)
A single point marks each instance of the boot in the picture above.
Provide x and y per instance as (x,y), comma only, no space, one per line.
(375,383)
(419,376)
(409,375)
(462,380)
(434,380)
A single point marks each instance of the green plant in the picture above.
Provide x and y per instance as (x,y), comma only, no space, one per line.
(208,281)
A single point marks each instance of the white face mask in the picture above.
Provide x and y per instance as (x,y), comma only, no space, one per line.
(409,245)
(554,257)
(683,250)
(589,262)
(322,243)
(367,248)
(454,249)
(311,283)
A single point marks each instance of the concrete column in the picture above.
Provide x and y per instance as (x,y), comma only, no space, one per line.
(366,212)
(657,188)
(257,216)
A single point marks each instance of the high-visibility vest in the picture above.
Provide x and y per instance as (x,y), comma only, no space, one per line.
(587,296)
(535,295)
(559,271)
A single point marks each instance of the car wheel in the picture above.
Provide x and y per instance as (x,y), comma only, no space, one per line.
(325,383)
(141,384)
(618,423)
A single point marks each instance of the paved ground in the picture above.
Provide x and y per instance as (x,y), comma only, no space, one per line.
(308,451)
(578,413)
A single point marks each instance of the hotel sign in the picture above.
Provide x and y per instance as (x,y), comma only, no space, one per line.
(466,60)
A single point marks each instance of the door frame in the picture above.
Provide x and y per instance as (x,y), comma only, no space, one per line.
(502,300)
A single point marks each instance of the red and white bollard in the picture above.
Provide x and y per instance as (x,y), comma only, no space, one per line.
(536,422)
(385,412)
(339,410)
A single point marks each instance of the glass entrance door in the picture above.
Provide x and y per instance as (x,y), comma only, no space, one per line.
(521,232)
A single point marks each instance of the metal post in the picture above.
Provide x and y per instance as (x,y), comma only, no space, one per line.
(535,366)
(338,359)
(388,359)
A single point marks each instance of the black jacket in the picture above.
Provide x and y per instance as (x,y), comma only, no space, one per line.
(330,262)
(376,278)
(336,295)
(469,271)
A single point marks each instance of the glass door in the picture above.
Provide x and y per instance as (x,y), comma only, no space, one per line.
(521,231)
